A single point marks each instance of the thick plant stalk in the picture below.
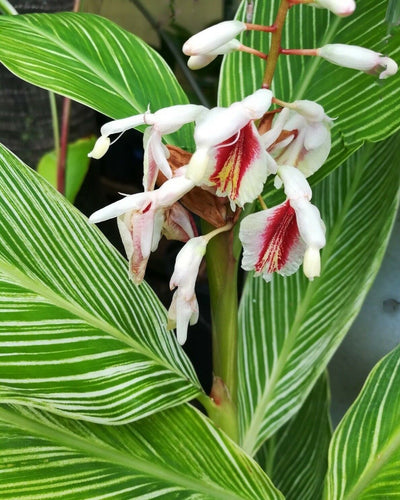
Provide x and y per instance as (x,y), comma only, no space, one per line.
(222,275)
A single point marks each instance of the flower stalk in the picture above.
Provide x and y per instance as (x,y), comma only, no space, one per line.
(275,48)
(222,276)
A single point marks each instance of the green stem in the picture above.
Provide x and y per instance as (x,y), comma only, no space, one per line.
(275,47)
(54,122)
(7,8)
(222,276)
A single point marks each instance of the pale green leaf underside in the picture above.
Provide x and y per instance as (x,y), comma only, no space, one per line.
(45,456)
(296,457)
(364,457)
(93,61)
(363,107)
(289,328)
(76,336)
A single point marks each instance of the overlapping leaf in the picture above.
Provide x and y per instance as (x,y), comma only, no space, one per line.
(76,337)
(44,455)
(296,457)
(91,60)
(291,327)
(364,457)
(363,107)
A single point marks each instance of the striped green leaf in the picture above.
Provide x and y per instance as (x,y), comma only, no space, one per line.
(91,60)
(364,456)
(76,336)
(364,108)
(45,456)
(291,327)
(296,457)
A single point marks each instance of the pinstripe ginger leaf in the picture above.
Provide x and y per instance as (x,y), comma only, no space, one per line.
(93,61)
(76,336)
(296,457)
(289,328)
(364,456)
(46,456)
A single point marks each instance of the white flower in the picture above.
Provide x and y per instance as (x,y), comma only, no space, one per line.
(144,217)
(184,309)
(209,40)
(280,238)
(352,56)
(162,122)
(300,136)
(341,8)
(229,155)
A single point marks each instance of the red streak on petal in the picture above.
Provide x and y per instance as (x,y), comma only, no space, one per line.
(233,158)
(279,238)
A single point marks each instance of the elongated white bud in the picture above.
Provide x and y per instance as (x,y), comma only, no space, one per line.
(352,56)
(202,60)
(210,39)
(341,8)
(100,148)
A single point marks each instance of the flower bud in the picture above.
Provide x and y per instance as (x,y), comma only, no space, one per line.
(100,148)
(352,56)
(341,8)
(212,38)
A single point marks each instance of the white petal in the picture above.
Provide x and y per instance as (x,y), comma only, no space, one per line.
(311,110)
(187,266)
(295,183)
(132,202)
(118,126)
(172,118)
(172,190)
(311,227)
(390,66)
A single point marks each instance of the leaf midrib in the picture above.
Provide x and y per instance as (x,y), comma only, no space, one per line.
(107,454)
(44,291)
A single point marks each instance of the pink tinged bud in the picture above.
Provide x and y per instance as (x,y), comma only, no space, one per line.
(360,58)
(212,38)
(155,158)
(178,224)
(341,8)
(100,148)
(271,242)
(184,308)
